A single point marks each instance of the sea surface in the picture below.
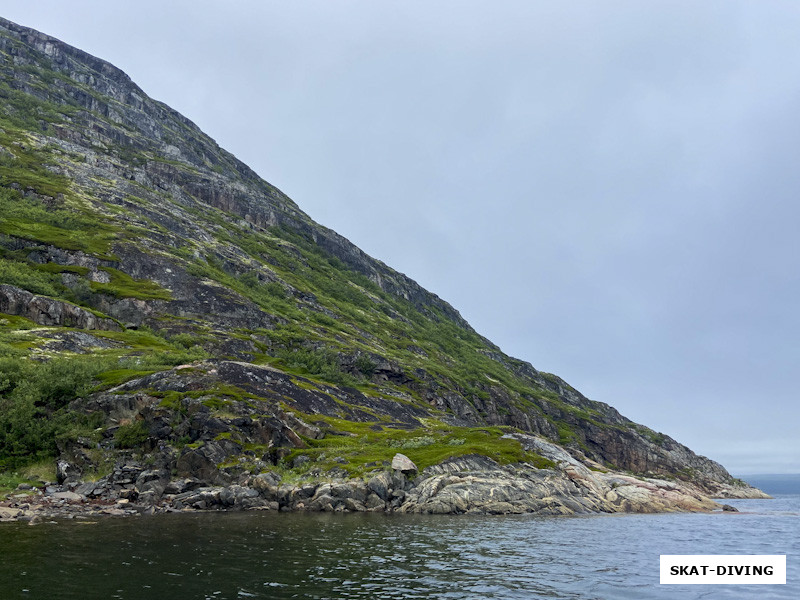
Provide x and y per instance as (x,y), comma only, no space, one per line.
(269,555)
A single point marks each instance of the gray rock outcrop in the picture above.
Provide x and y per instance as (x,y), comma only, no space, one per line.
(47,311)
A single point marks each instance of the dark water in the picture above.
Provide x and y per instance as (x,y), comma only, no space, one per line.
(268,555)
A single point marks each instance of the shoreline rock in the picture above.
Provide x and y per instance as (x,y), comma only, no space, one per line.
(471,484)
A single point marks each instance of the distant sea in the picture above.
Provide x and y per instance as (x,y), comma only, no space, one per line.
(322,556)
(775,484)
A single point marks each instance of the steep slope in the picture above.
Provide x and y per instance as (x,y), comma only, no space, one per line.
(166,305)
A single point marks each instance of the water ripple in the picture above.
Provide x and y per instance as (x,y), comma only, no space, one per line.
(264,555)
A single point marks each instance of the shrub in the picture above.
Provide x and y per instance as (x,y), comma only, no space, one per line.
(34,397)
(186,340)
(61,380)
(25,430)
(131,436)
(23,276)
(164,359)
(365,365)
(321,362)
(418,442)
(275,289)
(250,279)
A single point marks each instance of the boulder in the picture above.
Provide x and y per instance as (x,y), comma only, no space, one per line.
(381,485)
(322,502)
(354,505)
(266,484)
(67,472)
(300,460)
(355,489)
(201,463)
(178,486)
(402,463)
(374,502)
(235,495)
(87,489)
(68,496)
(9,513)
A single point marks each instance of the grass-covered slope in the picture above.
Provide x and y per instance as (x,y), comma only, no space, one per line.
(131,244)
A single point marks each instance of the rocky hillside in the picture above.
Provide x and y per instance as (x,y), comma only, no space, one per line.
(163,308)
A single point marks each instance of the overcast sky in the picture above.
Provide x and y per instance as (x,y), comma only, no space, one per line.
(608,190)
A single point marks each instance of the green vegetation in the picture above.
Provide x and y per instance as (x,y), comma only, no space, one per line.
(187,340)
(123,285)
(45,279)
(364,446)
(357,317)
(132,435)
(34,395)
(69,229)
(24,169)
(21,275)
(27,112)
(9,482)
(321,363)
(33,400)
(34,474)
(565,433)
(656,437)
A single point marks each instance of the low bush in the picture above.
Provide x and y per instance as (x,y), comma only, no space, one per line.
(23,276)
(131,436)
(321,362)
(33,400)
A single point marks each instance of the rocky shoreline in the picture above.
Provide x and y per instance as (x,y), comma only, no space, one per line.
(465,485)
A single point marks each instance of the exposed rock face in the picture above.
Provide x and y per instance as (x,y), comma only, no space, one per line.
(177,236)
(478,484)
(46,311)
